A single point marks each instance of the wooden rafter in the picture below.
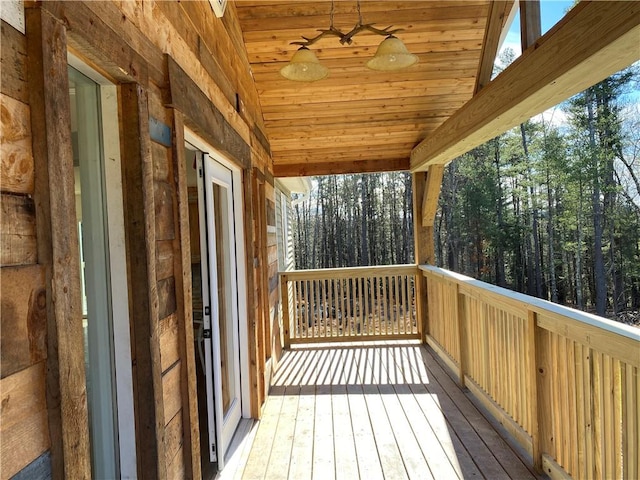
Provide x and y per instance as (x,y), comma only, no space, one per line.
(593,41)
(498,12)
(530,23)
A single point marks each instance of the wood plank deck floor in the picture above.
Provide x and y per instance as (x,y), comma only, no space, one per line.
(373,412)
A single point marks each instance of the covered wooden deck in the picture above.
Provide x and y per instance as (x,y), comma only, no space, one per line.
(385,410)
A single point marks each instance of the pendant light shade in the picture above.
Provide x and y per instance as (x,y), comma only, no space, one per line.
(304,67)
(392,54)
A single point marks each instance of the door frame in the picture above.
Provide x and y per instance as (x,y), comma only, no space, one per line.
(241,262)
(114,211)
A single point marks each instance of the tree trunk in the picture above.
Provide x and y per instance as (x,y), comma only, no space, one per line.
(364,227)
(599,279)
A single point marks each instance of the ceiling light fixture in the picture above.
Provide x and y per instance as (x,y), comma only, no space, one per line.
(391,55)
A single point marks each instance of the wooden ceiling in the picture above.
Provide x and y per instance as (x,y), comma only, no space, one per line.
(358,119)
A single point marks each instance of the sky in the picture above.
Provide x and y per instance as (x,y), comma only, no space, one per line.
(550,11)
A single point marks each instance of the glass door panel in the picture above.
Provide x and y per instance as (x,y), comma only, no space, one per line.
(220,293)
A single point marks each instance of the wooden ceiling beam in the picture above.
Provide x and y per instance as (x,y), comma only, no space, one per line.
(422,11)
(285,127)
(365,107)
(340,168)
(593,41)
(498,13)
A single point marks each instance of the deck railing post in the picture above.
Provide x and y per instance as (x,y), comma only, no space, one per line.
(538,394)
(286,320)
(461,314)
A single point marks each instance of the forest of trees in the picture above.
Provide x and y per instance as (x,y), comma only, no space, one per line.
(550,208)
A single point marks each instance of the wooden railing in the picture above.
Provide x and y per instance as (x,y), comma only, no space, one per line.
(564,383)
(349,304)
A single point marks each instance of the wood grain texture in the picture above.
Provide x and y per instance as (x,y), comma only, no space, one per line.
(16,157)
(209,122)
(166,297)
(352,97)
(18,230)
(163,203)
(184,289)
(13,63)
(169,341)
(23,302)
(590,43)
(496,22)
(140,229)
(94,28)
(252,296)
(559,380)
(58,249)
(23,427)
(333,167)
(172,393)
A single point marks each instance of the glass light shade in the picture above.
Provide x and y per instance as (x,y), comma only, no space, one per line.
(304,67)
(392,54)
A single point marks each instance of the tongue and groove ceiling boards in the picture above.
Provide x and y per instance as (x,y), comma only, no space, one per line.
(358,119)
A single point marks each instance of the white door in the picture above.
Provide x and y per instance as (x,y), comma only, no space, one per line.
(220,300)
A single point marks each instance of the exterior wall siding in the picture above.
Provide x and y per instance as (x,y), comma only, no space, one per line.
(129,43)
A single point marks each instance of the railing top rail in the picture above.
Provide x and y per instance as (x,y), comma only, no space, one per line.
(350,272)
(536,304)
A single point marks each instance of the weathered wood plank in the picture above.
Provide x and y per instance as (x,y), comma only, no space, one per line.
(208,122)
(13,63)
(17,230)
(171,394)
(161,162)
(164,214)
(138,188)
(169,341)
(165,257)
(176,468)
(248,200)
(24,317)
(167,303)
(54,196)
(94,30)
(174,440)
(593,41)
(23,427)
(183,285)
(16,157)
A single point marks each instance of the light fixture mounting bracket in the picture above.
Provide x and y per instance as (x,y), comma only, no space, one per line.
(348,37)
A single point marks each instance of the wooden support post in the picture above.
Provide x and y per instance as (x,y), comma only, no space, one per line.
(182,269)
(542,415)
(252,319)
(421,236)
(532,388)
(426,191)
(139,213)
(461,310)
(530,27)
(58,249)
(286,320)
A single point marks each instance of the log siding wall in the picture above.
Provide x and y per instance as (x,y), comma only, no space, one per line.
(139,46)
